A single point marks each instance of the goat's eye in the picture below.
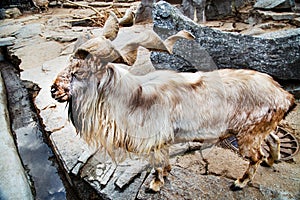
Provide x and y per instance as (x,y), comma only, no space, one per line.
(73,75)
(78,75)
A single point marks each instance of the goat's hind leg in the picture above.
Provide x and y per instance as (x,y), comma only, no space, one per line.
(247,177)
(273,143)
(253,152)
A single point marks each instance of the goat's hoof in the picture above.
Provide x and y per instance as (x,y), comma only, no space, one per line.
(265,164)
(237,185)
(234,187)
(155,185)
(149,190)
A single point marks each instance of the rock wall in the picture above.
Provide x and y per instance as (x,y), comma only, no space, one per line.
(277,55)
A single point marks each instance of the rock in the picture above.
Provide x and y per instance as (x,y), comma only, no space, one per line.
(144,11)
(281,34)
(113,181)
(29,30)
(279,57)
(200,10)
(2,13)
(65,36)
(12,13)
(33,54)
(7,41)
(253,31)
(276,16)
(274,4)
(131,172)
(297,6)
(7,30)
(194,9)
(218,9)
(296,21)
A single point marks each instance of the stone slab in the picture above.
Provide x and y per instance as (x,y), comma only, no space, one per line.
(8,41)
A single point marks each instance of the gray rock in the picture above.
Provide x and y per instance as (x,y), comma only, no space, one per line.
(29,30)
(281,34)
(2,13)
(11,13)
(182,59)
(7,29)
(144,11)
(279,57)
(131,172)
(189,7)
(200,10)
(274,4)
(7,41)
(218,9)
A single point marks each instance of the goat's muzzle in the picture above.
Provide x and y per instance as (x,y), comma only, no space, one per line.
(60,93)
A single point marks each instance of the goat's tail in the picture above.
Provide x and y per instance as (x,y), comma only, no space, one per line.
(292,106)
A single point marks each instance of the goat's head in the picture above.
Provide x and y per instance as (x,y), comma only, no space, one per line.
(99,51)
(86,49)
(60,89)
(92,54)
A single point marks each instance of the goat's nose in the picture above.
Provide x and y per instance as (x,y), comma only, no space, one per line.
(53,89)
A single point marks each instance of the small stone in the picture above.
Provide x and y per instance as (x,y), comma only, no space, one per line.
(7,41)
(101,166)
(85,156)
(77,168)
(99,172)
(107,174)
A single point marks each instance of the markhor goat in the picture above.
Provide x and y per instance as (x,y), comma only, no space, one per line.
(117,110)
(112,108)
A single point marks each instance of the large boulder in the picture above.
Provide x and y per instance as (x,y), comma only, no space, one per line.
(278,56)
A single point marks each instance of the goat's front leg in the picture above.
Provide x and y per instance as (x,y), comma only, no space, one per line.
(162,168)
(158,180)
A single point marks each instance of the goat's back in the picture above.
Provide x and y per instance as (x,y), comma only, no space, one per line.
(230,100)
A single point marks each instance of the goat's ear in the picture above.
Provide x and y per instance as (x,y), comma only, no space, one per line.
(110,67)
(109,72)
(111,27)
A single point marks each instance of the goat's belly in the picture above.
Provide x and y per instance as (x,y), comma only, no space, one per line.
(202,136)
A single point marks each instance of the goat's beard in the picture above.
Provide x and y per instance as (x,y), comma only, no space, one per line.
(90,115)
